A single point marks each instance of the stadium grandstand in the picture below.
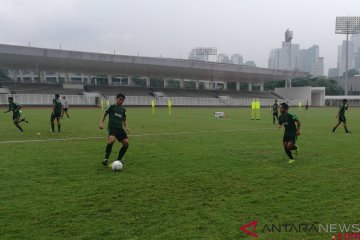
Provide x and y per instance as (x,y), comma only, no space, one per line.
(86,78)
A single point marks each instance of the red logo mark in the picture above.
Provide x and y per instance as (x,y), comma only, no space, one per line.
(245,227)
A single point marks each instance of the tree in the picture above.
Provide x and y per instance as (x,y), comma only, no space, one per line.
(331,86)
(352,72)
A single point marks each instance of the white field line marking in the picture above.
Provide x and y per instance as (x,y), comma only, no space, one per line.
(134,135)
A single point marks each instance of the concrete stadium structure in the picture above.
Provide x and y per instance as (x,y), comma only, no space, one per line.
(42,60)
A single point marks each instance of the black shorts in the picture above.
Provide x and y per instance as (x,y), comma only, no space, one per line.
(65,109)
(342,119)
(119,133)
(16,116)
(55,115)
(291,139)
(276,114)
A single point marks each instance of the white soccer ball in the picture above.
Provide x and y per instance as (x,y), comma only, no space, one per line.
(117,166)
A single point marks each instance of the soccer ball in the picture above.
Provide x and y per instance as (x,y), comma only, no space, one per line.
(116,166)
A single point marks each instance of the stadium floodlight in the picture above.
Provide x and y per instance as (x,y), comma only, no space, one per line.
(289,35)
(347,25)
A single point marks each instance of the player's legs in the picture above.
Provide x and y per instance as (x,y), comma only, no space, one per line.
(58,124)
(288,151)
(345,125)
(67,114)
(52,121)
(336,126)
(111,140)
(123,138)
(16,123)
(124,148)
(275,116)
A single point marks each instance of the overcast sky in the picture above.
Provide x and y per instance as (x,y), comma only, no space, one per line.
(171,28)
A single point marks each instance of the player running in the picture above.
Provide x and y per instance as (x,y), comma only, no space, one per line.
(307,105)
(65,106)
(275,111)
(341,115)
(56,113)
(117,128)
(15,108)
(292,130)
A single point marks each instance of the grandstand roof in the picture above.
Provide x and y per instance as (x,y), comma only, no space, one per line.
(42,59)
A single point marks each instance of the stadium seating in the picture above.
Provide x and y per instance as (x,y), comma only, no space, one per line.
(177,92)
(43,88)
(113,90)
(247,94)
(39,88)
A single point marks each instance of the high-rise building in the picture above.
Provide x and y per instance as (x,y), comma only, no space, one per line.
(250,63)
(356,39)
(237,59)
(333,72)
(306,60)
(194,56)
(317,68)
(342,57)
(223,58)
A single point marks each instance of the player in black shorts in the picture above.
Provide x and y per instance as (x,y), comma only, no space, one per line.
(117,128)
(15,108)
(341,116)
(56,113)
(275,111)
(292,130)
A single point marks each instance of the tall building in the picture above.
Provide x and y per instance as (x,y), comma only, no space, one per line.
(356,40)
(280,58)
(223,58)
(194,56)
(342,57)
(317,68)
(306,60)
(250,63)
(274,59)
(333,72)
(237,59)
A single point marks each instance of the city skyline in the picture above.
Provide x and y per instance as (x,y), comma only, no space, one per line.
(160,28)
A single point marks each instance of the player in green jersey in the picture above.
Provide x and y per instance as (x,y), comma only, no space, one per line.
(292,130)
(56,113)
(275,111)
(341,115)
(117,128)
(15,108)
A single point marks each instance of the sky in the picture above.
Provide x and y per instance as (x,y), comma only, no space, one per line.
(171,28)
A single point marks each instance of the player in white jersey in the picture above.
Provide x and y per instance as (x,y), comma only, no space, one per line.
(65,105)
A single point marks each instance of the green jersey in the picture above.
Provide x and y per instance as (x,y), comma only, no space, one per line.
(57,105)
(288,120)
(13,107)
(117,115)
(343,107)
(275,108)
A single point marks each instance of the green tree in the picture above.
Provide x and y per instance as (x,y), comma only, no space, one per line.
(331,86)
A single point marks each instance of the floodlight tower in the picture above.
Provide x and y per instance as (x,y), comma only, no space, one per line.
(288,38)
(347,25)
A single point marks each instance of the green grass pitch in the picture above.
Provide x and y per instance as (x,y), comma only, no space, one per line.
(187,176)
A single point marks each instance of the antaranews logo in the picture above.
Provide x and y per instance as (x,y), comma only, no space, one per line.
(344,231)
(251,224)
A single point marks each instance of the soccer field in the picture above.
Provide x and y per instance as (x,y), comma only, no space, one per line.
(186,176)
